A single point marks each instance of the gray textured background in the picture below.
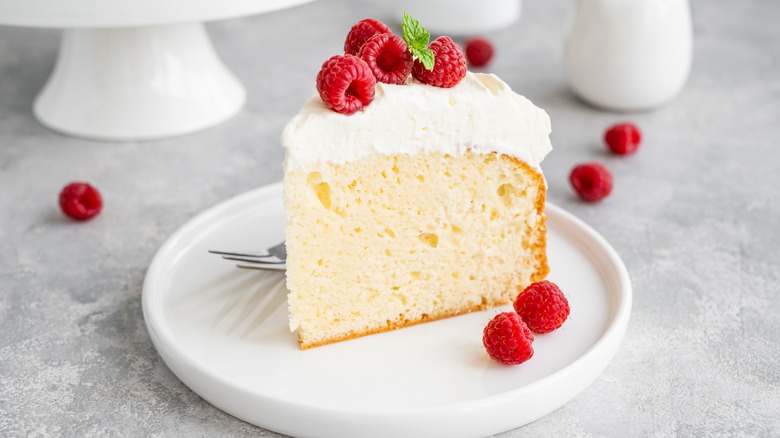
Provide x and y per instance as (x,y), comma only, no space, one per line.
(695,215)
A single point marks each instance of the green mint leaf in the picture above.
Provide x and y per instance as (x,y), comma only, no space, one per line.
(425,56)
(414,34)
(417,39)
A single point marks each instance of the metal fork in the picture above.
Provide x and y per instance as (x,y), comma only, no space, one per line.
(272,259)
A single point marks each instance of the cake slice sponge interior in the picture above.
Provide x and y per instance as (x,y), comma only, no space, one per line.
(388,241)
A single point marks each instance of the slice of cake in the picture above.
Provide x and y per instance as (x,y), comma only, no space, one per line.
(425,204)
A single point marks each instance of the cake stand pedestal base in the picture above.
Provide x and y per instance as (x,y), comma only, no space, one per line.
(137,83)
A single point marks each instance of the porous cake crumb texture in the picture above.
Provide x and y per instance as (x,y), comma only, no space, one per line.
(393,240)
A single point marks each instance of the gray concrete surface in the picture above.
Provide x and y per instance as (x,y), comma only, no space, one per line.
(695,215)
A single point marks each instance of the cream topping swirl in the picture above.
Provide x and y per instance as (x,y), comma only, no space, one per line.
(481,114)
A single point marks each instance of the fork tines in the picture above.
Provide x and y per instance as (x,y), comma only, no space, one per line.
(241,254)
(271,259)
(253,260)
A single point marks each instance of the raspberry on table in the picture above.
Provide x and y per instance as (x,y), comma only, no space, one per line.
(80,201)
(507,339)
(346,84)
(361,32)
(388,56)
(623,138)
(479,51)
(449,68)
(591,181)
(542,306)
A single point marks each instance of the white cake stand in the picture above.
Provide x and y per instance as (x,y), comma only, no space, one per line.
(134,70)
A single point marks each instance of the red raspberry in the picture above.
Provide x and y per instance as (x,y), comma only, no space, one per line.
(450,66)
(388,56)
(623,138)
(361,32)
(346,84)
(542,306)
(592,181)
(80,201)
(479,51)
(507,339)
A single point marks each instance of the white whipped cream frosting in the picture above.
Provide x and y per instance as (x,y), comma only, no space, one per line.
(480,114)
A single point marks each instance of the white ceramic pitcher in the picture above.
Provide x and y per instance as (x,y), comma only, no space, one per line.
(629,55)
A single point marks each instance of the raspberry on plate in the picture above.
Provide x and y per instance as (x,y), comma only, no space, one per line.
(361,32)
(542,306)
(479,51)
(623,138)
(80,201)
(507,339)
(388,56)
(591,181)
(346,84)
(449,67)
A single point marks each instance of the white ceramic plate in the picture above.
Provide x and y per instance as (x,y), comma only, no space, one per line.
(223,332)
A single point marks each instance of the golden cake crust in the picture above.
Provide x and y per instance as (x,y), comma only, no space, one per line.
(540,248)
